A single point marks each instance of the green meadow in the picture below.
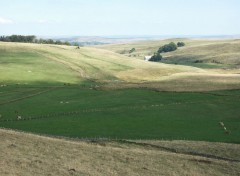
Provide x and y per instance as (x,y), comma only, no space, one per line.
(95,93)
(122,114)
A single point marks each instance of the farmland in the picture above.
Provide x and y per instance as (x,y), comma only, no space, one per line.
(94,93)
(129,114)
(115,110)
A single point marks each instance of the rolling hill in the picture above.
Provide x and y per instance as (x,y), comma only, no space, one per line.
(199,53)
(37,64)
(129,116)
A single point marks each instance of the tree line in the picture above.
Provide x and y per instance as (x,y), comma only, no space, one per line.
(31,39)
(164,49)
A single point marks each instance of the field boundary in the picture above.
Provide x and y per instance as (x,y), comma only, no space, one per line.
(107,109)
(25,97)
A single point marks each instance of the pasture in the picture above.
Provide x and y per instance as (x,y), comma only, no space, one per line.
(95,93)
(80,112)
(200,53)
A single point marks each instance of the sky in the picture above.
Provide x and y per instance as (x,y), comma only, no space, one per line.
(119,17)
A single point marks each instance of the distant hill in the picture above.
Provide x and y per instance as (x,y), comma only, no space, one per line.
(100,40)
(203,53)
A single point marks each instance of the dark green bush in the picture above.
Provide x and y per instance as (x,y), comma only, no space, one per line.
(168,48)
(180,44)
(156,57)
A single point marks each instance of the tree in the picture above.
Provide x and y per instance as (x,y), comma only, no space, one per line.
(168,48)
(156,57)
(180,44)
(30,39)
(58,42)
(132,50)
(50,41)
(67,43)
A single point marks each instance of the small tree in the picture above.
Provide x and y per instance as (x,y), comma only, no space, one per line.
(132,50)
(168,48)
(180,44)
(67,43)
(156,57)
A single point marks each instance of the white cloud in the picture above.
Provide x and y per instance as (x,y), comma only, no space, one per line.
(5,21)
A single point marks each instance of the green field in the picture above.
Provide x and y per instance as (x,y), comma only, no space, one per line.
(95,93)
(129,114)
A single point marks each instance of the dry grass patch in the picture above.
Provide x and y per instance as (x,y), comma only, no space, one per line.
(68,64)
(27,154)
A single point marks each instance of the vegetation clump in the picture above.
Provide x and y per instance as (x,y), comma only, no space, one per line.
(132,50)
(164,49)
(180,44)
(31,39)
(168,48)
(156,57)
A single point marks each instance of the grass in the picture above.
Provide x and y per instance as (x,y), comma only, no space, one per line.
(128,114)
(23,65)
(93,93)
(58,96)
(224,52)
(27,154)
(56,65)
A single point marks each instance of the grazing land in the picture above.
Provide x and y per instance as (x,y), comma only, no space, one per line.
(117,114)
(197,53)
(118,111)
(27,154)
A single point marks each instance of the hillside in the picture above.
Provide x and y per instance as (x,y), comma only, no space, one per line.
(88,92)
(198,53)
(119,115)
(33,63)
(28,154)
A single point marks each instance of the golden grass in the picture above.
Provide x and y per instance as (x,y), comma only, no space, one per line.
(119,71)
(28,154)
(224,51)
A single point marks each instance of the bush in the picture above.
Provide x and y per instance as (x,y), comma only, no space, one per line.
(132,50)
(180,44)
(168,48)
(156,57)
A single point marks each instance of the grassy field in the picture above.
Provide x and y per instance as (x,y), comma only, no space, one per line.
(197,53)
(35,64)
(129,114)
(27,154)
(95,93)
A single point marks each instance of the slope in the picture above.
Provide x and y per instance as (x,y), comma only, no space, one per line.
(34,63)
(199,53)
(28,154)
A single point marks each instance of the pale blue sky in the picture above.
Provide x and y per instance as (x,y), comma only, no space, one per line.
(120,17)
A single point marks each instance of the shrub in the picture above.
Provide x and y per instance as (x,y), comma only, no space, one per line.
(132,50)
(180,44)
(156,57)
(168,48)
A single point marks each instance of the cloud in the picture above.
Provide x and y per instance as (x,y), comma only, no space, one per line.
(5,21)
